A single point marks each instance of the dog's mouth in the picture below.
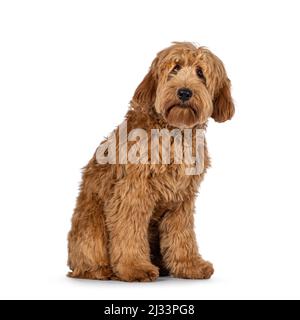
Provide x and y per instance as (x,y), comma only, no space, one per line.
(182,115)
(183,106)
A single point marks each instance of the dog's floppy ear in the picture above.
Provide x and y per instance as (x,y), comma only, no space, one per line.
(223,104)
(145,93)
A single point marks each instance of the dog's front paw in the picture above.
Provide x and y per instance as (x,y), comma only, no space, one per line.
(194,269)
(138,272)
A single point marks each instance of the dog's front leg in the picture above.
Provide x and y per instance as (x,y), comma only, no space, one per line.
(179,246)
(128,216)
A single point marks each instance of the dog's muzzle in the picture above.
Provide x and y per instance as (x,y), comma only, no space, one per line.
(184,94)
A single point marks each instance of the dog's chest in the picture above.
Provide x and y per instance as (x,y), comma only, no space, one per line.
(173,184)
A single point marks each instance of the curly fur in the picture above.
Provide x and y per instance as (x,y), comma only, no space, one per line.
(133,222)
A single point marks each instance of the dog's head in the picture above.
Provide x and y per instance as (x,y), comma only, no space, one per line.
(186,85)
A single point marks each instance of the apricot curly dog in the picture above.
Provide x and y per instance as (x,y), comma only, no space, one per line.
(134,221)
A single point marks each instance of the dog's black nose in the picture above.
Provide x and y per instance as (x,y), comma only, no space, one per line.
(184,94)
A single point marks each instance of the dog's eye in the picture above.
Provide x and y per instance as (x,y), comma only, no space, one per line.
(176,68)
(200,73)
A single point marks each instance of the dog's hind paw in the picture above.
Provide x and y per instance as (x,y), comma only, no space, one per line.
(97,273)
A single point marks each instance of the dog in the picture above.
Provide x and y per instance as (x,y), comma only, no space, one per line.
(134,221)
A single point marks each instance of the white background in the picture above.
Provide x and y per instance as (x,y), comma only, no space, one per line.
(67,72)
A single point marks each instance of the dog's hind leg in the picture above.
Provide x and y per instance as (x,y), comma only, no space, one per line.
(88,255)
